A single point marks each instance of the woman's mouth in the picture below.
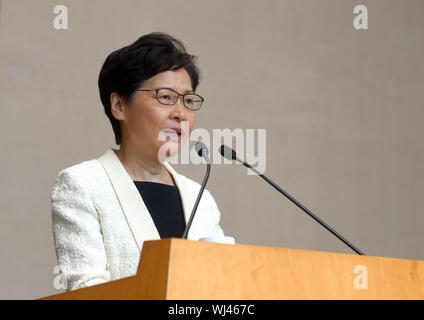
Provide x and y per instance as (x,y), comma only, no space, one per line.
(174,134)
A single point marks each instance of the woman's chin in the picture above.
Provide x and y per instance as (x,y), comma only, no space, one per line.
(169,149)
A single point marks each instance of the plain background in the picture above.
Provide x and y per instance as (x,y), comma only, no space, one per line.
(342,108)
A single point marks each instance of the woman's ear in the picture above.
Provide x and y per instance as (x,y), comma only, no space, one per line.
(117,106)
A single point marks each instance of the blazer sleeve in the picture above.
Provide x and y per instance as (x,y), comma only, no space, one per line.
(216,216)
(77,233)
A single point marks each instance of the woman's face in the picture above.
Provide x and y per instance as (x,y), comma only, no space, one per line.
(147,124)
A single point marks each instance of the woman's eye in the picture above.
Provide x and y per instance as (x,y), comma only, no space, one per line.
(166,97)
(189,101)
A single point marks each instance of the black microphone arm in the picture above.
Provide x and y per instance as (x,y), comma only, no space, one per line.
(202,151)
(230,154)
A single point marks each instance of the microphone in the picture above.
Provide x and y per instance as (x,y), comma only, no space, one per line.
(230,154)
(203,152)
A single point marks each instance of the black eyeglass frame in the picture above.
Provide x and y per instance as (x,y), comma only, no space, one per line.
(179,95)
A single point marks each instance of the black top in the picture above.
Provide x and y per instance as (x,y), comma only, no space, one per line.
(164,204)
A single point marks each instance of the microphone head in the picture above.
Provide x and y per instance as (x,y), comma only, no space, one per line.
(201,149)
(227,152)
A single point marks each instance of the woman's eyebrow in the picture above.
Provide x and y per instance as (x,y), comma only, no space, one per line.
(187,91)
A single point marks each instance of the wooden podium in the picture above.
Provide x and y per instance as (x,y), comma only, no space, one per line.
(185,269)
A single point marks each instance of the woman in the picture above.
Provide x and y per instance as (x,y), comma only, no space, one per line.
(104,209)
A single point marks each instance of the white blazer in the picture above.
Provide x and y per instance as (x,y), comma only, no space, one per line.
(100,220)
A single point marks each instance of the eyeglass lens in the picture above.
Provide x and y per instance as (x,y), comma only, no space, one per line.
(170,97)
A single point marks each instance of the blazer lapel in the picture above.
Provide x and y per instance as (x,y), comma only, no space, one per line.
(138,217)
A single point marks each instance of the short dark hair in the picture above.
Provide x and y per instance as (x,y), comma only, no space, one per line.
(126,69)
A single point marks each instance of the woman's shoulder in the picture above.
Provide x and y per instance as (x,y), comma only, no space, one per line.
(80,174)
(83,168)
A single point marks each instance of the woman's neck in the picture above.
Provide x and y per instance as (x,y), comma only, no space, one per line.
(141,167)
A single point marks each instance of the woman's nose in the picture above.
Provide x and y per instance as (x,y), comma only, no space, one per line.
(179,109)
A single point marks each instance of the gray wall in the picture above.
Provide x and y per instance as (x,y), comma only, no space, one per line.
(342,109)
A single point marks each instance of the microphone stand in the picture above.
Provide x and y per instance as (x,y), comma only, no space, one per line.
(297,203)
(196,204)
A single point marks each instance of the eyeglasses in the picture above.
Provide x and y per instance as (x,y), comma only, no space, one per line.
(170,97)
